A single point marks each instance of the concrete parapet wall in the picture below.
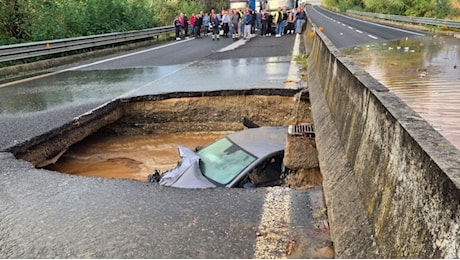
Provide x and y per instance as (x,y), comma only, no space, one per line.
(391,182)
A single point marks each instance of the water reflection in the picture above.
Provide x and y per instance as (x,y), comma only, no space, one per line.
(422,71)
(85,86)
(72,87)
(209,75)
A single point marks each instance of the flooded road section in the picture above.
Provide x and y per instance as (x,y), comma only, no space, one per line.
(74,88)
(424,72)
(129,157)
(91,84)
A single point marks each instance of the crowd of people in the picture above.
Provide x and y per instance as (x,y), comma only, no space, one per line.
(240,23)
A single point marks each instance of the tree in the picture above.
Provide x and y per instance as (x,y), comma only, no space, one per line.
(14,20)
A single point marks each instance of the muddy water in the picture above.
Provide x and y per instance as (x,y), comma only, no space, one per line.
(424,72)
(128,157)
(147,136)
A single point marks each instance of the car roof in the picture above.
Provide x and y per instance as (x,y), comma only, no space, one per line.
(261,141)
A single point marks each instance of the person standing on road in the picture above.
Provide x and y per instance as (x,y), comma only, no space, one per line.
(177,27)
(214,24)
(234,21)
(186,25)
(269,22)
(192,24)
(253,22)
(226,23)
(206,20)
(264,20)
(290,22)
(247,24)
(300,18)
(258,20)
(278,21)
(197,26)
(182,25)
(284,23)
(241,24)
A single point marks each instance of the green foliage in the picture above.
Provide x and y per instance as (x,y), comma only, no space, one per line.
(14,21)
(420,8)
(330,3)
(35,20)
(167,10)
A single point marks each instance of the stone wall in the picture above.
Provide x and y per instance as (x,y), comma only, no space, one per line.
(391,182)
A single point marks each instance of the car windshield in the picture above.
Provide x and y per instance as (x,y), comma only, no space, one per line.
(223,160)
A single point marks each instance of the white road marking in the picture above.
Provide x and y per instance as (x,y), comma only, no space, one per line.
(123,56)
(376,24)
(233,46)
(292,77)
(90,64)
(273,234)
(372,36)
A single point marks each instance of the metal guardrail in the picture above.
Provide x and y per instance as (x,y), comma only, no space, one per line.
(419,20)
(42,48)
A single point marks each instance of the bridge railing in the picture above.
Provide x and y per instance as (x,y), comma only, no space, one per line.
(34,49)
(409,19)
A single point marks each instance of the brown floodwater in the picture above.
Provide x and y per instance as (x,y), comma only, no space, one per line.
(424,72)
(129,157)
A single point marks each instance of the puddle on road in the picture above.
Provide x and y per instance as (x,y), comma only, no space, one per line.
(128,157)
(98,83)
(424,72)
(74,87)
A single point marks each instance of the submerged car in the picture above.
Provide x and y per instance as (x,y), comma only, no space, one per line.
(247,158)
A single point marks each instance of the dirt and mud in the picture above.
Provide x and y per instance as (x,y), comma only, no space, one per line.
(137,136)
(128,157)
(147,136)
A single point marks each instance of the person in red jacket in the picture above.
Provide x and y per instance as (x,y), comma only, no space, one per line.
(192,23)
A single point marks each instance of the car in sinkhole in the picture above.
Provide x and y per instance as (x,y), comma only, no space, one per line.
(248,158)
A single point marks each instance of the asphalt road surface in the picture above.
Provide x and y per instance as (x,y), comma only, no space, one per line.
(345,31)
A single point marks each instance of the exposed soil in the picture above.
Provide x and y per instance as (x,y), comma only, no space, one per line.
(146,137)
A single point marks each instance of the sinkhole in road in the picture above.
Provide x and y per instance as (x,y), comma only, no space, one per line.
(129,138)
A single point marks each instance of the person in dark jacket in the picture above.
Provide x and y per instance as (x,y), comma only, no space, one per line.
(300,19)
(247,24)
(265,24)
(177,27)
(270,22)
(214,23)
(197,26)
(186,25)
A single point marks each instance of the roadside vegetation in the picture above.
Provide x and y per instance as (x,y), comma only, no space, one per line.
(302,62)
(440,9)
(37,20)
